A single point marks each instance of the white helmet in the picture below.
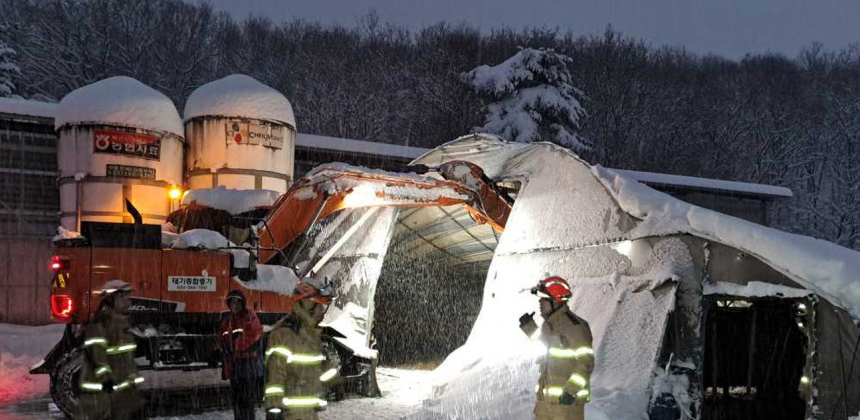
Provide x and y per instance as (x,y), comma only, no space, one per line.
(114,286)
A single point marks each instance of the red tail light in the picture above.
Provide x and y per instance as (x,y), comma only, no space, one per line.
(62,306)
(59,263)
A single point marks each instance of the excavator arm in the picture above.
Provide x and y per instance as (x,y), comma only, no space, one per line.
(335,187)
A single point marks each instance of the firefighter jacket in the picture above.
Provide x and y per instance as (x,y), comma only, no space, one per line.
(296,367)
(109,378)
(239,344)
(565,370)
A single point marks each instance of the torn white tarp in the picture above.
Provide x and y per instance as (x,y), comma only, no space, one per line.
(822,267)
(560,212)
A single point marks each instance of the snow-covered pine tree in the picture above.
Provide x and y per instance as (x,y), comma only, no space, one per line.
(532,99)
(8,69)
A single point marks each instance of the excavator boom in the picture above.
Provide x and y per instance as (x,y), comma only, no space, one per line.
(335,187)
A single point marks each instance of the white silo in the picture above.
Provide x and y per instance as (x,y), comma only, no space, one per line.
(241,135)
(119,139)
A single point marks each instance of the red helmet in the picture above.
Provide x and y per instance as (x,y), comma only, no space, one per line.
(555,288)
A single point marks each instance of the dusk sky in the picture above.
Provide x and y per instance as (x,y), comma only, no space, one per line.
(730,28)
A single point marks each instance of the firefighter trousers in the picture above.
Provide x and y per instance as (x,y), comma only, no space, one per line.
(547,410)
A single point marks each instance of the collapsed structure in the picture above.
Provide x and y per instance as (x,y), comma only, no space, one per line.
(694,314)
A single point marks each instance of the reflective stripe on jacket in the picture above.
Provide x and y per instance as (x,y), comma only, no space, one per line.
(569,359)
(296,366)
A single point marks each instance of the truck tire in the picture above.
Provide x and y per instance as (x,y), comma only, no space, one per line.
(64,382)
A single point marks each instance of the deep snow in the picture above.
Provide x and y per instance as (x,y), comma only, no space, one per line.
(239,96)
(20,348)
(27,107)
(121,101)
(230,200)
(23,396)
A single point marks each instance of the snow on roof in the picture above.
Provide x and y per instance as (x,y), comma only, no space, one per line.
(358,146)
(706,184)
(753,289)
(229,200)
(121,101)
(27,107)
(823,267)
(239,96)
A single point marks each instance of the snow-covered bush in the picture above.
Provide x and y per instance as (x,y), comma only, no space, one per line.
(532,99)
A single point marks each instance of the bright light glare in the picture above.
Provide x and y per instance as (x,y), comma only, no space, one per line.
(175,192)
(623,247)
(361,196)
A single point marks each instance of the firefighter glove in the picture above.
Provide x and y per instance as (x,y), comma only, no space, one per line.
(527,324)
(107,386)
(566,399)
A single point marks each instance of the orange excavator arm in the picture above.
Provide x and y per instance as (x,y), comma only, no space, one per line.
(329,189)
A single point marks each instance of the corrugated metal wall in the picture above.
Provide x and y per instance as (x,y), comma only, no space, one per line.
(25,280)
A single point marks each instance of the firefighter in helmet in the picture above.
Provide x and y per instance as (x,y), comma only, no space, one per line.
(238,344)
(296,366)
(565,371)
(109,377)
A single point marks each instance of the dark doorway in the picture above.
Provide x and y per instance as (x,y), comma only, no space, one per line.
(755,351)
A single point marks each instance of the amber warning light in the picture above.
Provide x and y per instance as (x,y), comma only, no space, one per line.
(62,306)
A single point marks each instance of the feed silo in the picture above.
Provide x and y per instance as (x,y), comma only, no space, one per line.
(241,135)
(119,139)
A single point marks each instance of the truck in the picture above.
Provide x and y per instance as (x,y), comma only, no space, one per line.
(179,294)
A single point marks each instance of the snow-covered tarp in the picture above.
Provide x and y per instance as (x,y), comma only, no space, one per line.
(577,221)
(825,268)
(120,101)
(27,107)
(230,200)
(239,96)
(559,213)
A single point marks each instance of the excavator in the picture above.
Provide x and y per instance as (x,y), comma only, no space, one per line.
(179,294)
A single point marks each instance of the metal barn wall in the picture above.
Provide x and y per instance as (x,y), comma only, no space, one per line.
(25,280)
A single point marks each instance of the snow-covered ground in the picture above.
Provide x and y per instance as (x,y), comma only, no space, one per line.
(20,348)
(23,396)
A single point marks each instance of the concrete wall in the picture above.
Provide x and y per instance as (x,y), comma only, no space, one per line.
(25,280)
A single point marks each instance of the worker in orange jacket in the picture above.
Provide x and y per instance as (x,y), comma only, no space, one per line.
(565,370)
(239,345)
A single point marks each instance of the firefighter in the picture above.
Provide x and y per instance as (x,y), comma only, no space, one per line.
(297,369)
(109,378)
(239,346)
(565,371)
